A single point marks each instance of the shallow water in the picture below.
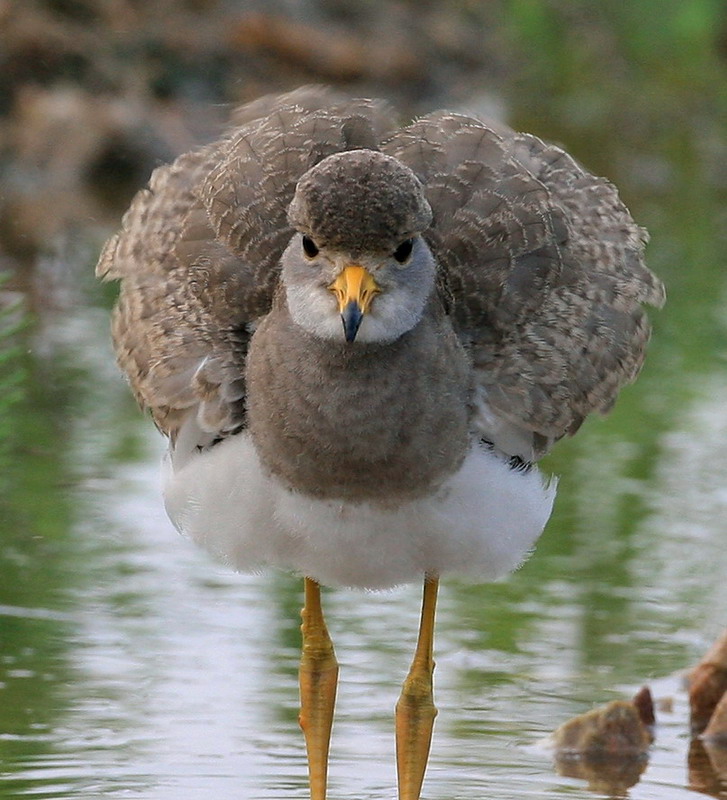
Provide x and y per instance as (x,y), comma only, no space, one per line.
(133,666)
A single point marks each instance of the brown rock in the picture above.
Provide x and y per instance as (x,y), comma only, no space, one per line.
(707,684)
(607,747)
(644,704)
(616,730)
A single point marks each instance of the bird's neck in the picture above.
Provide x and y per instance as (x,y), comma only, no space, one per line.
(358,422)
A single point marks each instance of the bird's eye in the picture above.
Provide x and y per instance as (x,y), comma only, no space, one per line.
(310,248)
(403,251)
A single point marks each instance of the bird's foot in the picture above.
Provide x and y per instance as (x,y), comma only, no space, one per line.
(415,711)
(318,683)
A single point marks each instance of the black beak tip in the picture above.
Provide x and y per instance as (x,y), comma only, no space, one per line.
(351,316)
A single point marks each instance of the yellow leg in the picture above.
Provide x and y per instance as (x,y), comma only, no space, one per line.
(415,711)
(318,681)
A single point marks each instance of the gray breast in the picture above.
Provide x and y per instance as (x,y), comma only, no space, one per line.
(385,422)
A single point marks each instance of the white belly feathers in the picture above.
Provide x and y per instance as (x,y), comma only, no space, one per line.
(482,522)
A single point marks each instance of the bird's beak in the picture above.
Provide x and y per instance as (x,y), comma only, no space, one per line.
(354,289)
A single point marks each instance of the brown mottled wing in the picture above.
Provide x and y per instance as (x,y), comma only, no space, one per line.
(541,270)
(198,253)
(162,332)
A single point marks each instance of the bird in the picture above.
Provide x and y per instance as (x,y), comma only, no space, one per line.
(360,336)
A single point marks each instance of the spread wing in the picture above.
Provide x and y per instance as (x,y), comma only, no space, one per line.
(198,252)
(541,265)
(541,270)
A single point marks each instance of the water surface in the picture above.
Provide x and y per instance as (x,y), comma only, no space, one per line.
(133,666)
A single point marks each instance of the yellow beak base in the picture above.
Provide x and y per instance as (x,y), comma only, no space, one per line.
(354,289)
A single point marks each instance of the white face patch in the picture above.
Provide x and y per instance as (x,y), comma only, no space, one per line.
(390,316)
(396,309)
(315,309)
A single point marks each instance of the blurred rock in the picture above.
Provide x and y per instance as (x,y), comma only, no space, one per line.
(94,95)
(620,729)
(707,684)
(70,151)
(608,746)
(644,705)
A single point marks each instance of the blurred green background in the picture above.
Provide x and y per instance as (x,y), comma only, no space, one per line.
(628,581)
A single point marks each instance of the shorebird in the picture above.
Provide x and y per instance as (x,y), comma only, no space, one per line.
(359,339)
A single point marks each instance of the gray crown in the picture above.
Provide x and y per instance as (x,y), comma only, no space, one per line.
(359,200)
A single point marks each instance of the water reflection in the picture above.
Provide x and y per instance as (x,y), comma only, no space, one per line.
(708,769)
(132,666)
(613,777)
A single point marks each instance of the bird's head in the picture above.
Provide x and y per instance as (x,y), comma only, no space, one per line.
(357,267)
